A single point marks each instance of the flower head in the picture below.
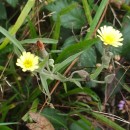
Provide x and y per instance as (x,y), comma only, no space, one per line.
(27,61)
(110,36)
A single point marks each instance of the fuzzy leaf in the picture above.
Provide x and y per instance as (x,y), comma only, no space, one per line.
(13,3)
(70,17)
(42,123)
(88,58)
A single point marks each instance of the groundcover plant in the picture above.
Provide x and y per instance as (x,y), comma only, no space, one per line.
(64,64)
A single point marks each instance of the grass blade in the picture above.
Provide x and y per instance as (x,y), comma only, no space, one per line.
(19,21)
(12,39)
(44,40)
(107,121)
(96,18)
(87,11)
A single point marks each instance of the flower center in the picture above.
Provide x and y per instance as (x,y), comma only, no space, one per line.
(109,38)
(27,63)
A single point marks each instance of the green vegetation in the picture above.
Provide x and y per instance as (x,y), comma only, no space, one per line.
(64,64)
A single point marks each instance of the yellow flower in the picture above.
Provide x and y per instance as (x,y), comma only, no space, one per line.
(110,36)
(27,61)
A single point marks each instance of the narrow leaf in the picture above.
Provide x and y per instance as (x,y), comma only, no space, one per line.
(75,48)
(19,21)
(107,121)
(44,40)
(96,18)
(12,39)
(59,66)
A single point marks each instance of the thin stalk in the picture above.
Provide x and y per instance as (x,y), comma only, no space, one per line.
(87,11)
(96,18)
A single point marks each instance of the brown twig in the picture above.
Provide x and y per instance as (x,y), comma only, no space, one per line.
(57,83)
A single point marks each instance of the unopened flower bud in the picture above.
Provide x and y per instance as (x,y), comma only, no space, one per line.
(110,67)
(19,78)
(51,62)
(98,65)
(117,57)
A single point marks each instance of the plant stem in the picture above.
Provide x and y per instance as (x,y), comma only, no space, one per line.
(96,18)
(87,11)
(58,82)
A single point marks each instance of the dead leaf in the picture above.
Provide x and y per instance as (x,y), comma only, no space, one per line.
(42,123)
(33,126)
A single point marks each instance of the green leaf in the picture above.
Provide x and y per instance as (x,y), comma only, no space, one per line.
(97,72)
(56,118)
(13,3)
(88,58)
(61,65)
(82,104)
(126,31)
(116,50)
(88,91)
(75,48)
(5,107)
(3,14)
(126,87)
(70,17)
(32,27)
(99,47)
(96,18)
(87,11)
(107,121)
(12,39)
(5,128)
(56,32)
(69,41)
(33,108)
(80,125)
(58,22)
(8,123)
(19,22)
(43,63)
(76,82)
(44,88)
(35,93)
(44,40)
